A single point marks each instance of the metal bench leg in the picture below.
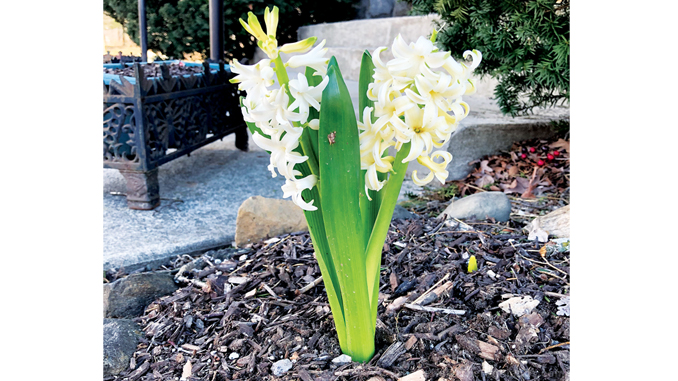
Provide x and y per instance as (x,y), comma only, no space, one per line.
(143,190)
(241,139)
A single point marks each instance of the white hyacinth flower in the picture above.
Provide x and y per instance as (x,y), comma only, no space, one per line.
(282,149)
(424,125)
(439,89)
(314,59)
(254,79)
(306,96)
(274,106)
(372,147)
(437,169)
(414,58)
(293,188)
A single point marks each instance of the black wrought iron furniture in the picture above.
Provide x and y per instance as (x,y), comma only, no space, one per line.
(149,121)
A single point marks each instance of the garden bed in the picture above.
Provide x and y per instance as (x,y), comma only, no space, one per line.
(260,307)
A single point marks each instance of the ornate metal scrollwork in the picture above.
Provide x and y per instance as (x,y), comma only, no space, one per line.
(119,134)
(142,121)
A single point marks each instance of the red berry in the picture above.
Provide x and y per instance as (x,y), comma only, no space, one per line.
(532,149)
(540,163)
(550,157)
(523,156)
(556,153)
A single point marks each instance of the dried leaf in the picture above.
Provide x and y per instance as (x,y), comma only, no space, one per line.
(563,306)
(562,144)
(519,306)
(485,180)
(484,168)
(519,185)
(513,170)
(188,371)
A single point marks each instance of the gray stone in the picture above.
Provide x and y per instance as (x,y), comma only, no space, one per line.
(480,206)
(400,212)
(129,296)
(260,218)
(341,360)
(121,337)
(281,367)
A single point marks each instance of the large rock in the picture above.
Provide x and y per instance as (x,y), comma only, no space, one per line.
(129,296)
(556,223)
(480,206)
(260,218)
(121,337)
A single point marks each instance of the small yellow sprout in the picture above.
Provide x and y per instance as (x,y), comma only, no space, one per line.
(472,264)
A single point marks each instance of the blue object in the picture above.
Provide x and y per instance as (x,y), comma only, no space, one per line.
(116,77)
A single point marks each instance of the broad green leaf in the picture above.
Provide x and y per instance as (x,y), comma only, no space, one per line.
(317,229)
(374,247)
(339,166)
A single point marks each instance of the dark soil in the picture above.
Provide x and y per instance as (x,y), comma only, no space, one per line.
(153,70)
(251,303)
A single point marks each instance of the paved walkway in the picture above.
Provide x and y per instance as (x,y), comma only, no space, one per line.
(201,195)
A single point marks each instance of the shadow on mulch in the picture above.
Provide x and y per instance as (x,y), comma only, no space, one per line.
(235,318)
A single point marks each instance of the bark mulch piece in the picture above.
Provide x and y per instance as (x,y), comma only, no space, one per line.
(236,317)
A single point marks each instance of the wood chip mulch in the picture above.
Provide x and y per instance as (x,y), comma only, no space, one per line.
(235,318)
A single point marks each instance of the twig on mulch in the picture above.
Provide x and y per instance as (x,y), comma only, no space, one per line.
(417,307)
(311,285)
(553,346)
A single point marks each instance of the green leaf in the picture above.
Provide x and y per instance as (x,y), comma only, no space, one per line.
(316,227)
(339,167)
(374,247)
